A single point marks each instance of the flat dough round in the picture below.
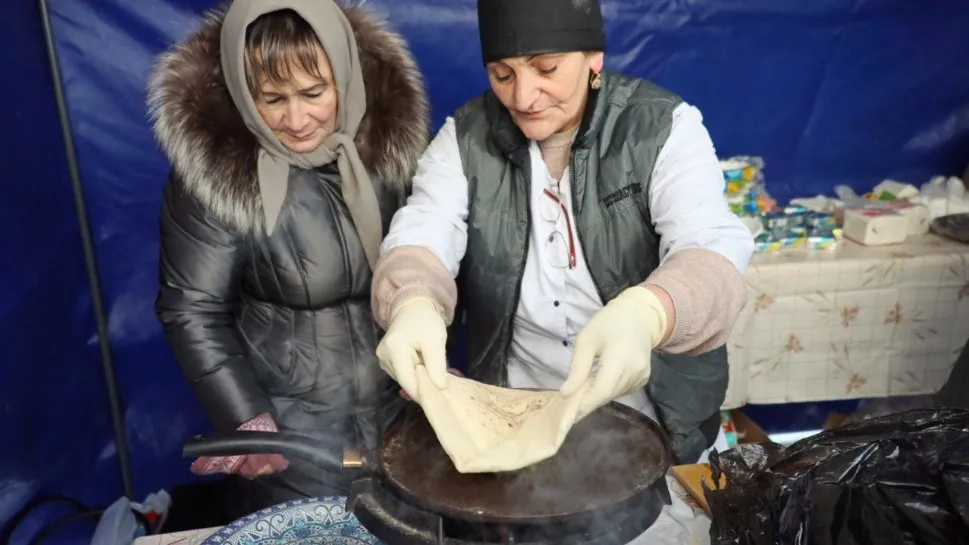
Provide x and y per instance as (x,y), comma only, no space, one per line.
(487,429)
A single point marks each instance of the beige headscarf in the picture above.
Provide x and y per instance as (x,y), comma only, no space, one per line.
(336,35)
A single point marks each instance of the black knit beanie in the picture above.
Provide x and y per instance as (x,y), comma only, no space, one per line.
(512,28)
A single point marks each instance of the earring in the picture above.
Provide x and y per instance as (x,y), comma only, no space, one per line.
(596,82)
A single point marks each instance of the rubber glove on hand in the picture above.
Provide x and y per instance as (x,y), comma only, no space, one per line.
(450,370)
(621,336)
(249,466)
(416,334)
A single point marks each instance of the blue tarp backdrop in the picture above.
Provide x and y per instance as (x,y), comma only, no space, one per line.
(827,91)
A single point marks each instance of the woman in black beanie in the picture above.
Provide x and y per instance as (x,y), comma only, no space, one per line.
(582,213)
(579,214)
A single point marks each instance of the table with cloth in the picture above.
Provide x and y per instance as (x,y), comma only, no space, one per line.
(852,322)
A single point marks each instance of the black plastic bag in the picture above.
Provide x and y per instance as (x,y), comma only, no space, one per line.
(894,480)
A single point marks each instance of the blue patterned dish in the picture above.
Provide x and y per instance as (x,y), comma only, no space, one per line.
(319,521)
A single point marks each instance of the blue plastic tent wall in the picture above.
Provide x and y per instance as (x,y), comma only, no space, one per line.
(827,91)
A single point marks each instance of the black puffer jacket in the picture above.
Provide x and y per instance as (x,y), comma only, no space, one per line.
(279,324)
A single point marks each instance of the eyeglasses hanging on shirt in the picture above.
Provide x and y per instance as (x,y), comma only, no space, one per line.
(559,247)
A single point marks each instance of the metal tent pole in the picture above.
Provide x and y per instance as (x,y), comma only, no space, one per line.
(89,260)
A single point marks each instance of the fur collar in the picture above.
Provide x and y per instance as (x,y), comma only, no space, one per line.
(214,155)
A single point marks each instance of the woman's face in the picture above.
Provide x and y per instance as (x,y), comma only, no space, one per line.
(544,94)
(302,111)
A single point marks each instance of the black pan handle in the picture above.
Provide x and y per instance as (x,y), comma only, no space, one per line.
(234,443)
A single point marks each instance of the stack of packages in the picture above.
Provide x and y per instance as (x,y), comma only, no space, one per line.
(774,227)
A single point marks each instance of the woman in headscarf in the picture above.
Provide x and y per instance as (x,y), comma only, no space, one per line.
(582,213)
(293,128)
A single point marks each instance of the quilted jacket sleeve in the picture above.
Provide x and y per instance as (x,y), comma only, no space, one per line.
(200,271)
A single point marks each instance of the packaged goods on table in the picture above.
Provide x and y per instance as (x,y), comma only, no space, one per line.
(875,226)
(901,198)
(797,227)
(744,186)
(883,216)
(773,227)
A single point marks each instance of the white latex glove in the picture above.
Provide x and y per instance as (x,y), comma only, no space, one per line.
(416,335)
(621,336)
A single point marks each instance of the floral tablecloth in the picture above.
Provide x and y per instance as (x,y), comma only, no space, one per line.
(849,323)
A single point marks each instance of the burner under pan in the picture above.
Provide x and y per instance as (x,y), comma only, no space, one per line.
(604,486)
(396,522)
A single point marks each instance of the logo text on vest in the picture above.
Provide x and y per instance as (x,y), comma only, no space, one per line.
(622,193)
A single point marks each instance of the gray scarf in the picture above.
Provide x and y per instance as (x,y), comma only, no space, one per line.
(275,159)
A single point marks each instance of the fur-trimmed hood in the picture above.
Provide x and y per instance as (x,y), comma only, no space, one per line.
(214,154)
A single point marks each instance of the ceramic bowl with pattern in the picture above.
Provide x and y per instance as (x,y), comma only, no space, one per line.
(318,521)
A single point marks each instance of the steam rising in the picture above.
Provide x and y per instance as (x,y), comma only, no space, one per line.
(324,410)
(606,458)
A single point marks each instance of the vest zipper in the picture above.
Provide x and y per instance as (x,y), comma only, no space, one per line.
(578,232)
(518,285)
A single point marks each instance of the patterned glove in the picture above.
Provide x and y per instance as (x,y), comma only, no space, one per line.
(249,466)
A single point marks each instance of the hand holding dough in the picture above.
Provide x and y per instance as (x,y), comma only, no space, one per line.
(621,336)
(415,338)
(490,429)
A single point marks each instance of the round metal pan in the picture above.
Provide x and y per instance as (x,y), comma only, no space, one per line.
(608,459)
(609,463)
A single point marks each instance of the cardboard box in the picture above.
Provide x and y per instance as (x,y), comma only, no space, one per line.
(875,227)
(917,214)
(747,430)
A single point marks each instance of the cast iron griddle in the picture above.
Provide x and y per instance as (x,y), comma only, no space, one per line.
(607,459)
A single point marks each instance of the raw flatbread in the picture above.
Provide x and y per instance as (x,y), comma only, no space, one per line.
(490,429)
